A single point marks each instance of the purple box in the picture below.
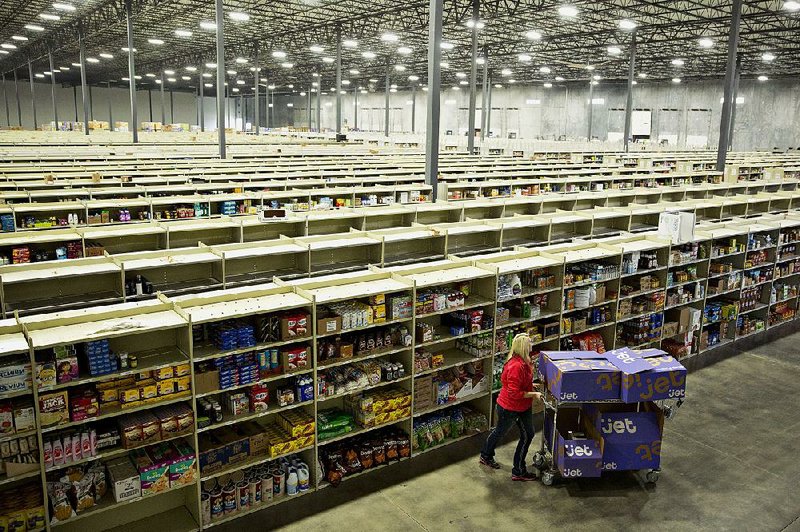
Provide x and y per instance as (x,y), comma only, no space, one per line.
(578,376)
(575,458)
(630,440)
(648,375)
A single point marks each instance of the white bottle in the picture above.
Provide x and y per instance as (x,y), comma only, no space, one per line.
(291,482)
(302,477)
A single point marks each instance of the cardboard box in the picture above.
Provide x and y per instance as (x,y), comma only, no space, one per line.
(648,375)
(631,440)
(297,325)
(182,469)
(207,381)
(678,226)
(670,329)
(580,375)
(689,319)
(574,457)
(329,325)
(53,409)
(125,481)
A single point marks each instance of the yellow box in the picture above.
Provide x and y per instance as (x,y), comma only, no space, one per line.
(183,384)
(130,395)
(166,387)
(109,395)
(181,370)
(163,373)
(148,389)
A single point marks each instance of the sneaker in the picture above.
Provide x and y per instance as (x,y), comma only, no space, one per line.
(524,477)
(489,462)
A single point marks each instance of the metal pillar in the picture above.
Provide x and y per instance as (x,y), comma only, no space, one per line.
(591,110)
(91,104)
(150,103)
(473,78)
(220,76)
(629,101)
(730,81)
(110,112)
(5,98)
(19,104)
(319,106)
(75,101)
(484,91)
(132,73)
(489,106)
(735,96)
(53,85)
(202,103)
(414,108)
(434,98)
(338,79)
(243,110)
(163,104)
(355,108)
(257,121)
(308,109)
(272,103)
(33,95)
(386,104)
(84,91)
(171,106)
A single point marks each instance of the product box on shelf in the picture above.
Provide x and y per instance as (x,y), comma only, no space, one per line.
(689,319)
(213,453)
(295,325)
(678,226)
(631,440)
(125,480)
(329,324)
(54,408)
(15,376)
(648,375)
(579,375)
(576,455)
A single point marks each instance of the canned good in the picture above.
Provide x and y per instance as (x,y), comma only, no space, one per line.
(205,503)
(266,486)
(229,498)
(242,495)
(217,503)
(278,481)
(255,490)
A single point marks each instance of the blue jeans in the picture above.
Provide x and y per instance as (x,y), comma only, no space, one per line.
(505,419)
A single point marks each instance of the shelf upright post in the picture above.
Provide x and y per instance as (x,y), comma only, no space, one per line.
(338,79)
(433,117)
(319,106)
(201,84)
(484,91)
(629,101)
(735,96)
(33,95)
(386,103)
(220,19)
(256,107)
(85,94)
(489,105)
(308,108)
(413,107)
(473,78)
(110,112)
(730,80)
(131,71)
(355,108)
(161,90)
(171,106)
(52,88)
(5,99)
(591,109)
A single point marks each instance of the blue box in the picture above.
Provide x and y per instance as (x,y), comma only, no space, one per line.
(579,376)
(648,375)
(574,457)
(631,440)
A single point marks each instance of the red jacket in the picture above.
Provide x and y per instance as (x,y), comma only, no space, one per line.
(517,378)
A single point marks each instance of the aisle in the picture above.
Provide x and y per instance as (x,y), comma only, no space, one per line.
(729,462)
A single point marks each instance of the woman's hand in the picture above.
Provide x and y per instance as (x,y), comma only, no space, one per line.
(533,395)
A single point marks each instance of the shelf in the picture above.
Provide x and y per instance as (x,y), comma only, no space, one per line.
(718,344)
(7,437)
(254,383)
(760,306)
(790,258)
(359,390)
(724,274)
(724,293)
(209,352)
(332,363)
(642,293)
(345,478)
(256,460)
(365,327)
(360,430)
(30,474)
(590,328)
(784,300)
(642,315)
(446,337)
(684,283)
(263,506)
(436,408)
(249,416)
(529,293)
(587,283)
(520,321)
(595,305)
(452,358)
(727,255)
(757,266)
(176,520)
(643,272)
(446,443)
(756,284)
(470,304)
(695,300)
(12,395)
(687,263)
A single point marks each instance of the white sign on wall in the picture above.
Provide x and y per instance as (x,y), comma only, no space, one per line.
(641,123)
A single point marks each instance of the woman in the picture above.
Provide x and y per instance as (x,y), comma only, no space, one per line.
(514,406)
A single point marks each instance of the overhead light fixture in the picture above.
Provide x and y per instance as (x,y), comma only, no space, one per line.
(287,65)
(238,16)
(354,72)
(48,16)
(590,67)
(512,81)
(157,42)
(505,72)
(373,80)
(461,75)
(34,27)
(614,50)
(763,78)
(676,80)
(126,50)
(498,86)
(230,72)
(191,69)
(568,11)
(48,73)
(240,82)
(207,75)
(317,49)
(211,65)
(446,45)
(39,75)
(705,42)
(150,75)
(393,86)
(64,69)
(363,91)
(106,56)
(78,65)
(279,54)
(413,78)
(545,70)
(302,93)
(642,75)
(404,50)
(477,24)
(208,25)
(444,64)
(235,89)
(767,56)
(328,60)
(595,82)
(533,35)
(19,38)
(596,77)
(559,78)
(480,61)
(63,7)
(400,68)
(92,60)
(548,85)
(677,62)
(634,82)
(4,52)
(183,33)
(186,78)
(345,82)
(392,90)
(791,5)
(350,43)
(525,58)
(271,87)
(8,46)
(627,24)
(368,55)
(389,37)
(463,82)
(158,82)
(208,85)
(172,80)
(241,61)
(456,88)
(423,88)
(169,72)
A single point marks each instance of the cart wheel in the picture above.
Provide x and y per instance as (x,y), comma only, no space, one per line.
(652,477)
(538,460)
(547,478)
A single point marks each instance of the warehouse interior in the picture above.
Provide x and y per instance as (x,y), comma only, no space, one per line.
(427,264)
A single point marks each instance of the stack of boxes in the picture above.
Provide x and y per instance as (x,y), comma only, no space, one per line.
(153,469)
(378,407)
(423,393)
(357,314)
(98,358)
(622,435)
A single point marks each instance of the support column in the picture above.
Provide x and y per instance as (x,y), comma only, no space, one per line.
(414,107)
(434,97)
(272,103)
(202,103)
(75,100)
(338,79)
(132,72)
(484,91)
(161,90)
(33,95)
(150,103)
(220,19)
(473,78)
(386,104)
(19,104)
(489,106)
(319,106)
(730,81)
(735,96)
(355,108)
(5,99)
(308,108)
(53,85)
(629,101)
(591,109)
(269,109)
(171,106)
(257,120)
(85,94)
(110,112)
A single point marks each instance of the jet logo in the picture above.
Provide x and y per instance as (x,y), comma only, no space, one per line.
(572,473)
(569,396)
(578,450)
(611,466)
(620,426)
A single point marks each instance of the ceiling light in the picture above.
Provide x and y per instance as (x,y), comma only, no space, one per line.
(589,67)
(354,72)
(279,54)
(191,69)
(446,45)
(157,42)
(169,72)
(461,75)
(404,50)
(678,62)
(207,75)
(126,79)
(363,91)
(48,73)
(238,16)
(524,58)
(676,80)
(106,56)
(505,72)
(186,78)
(328,60)
(230,72)
(548,85)
(183,33)
(63,7)
(478,25)
(287,65)
(512,81)
(126,50)
(150,75)
(39,75)
(76,65)
(642,75)
(345,82)
(137,77)
(8,46)
(350,43)
(545,70)
(614,50)
(33,27)
(271,87)
(767,56)
(19,38)
(456,88)
(317,49)
(444,64)
(413,78)
(368,55)
(595,83)
(393,86)
(423,88)
(763,78)
(211,65)
(235,89)
(627,24)
(791,5)
(48,16)
(498,86)
(92,60)
(463,82)
(64,69)
(705,42)
(241,61)
(158,82)
(596,77)
(240,82)
(480,60)
(389,37)
(392,90)
(172,80)
(208,25)
(533,35)
(568,11)
(4,52)
(209,85)
(373,80)
(400,68)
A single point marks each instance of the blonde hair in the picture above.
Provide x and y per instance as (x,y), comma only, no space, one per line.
(521,345)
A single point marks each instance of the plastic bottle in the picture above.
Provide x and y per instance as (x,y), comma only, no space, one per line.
(302,477)
(291,482)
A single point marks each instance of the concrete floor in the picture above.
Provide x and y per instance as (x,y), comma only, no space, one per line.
(729,462)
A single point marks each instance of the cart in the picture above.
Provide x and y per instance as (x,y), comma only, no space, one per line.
(544,459)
